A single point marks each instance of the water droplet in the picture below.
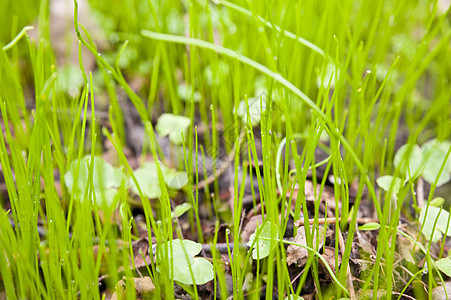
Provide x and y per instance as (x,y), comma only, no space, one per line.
(261,29)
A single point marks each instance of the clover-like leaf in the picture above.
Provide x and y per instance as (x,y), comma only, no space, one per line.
(265,237)
(431,215)
(147,177)
(434,153)
(386,182)
(185,92)
(105,178)
(70,80)
(173,125)
(175,180)
(255,109)
(213,77)
(444,265)
(409,160)
(329,74)
(182,258)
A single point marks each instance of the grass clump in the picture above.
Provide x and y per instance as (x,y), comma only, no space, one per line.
(208,134)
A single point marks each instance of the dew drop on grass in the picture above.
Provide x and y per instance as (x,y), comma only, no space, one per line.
(261,29)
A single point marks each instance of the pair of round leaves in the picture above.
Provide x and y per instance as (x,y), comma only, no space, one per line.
(434,222)
(147,178)
(414,161)
(107,179)
(426,161)
(183,264)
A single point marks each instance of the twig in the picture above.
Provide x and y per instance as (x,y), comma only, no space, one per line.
(299,223)
(404,295)
(210,179)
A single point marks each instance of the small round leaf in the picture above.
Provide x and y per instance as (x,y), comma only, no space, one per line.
(409,160)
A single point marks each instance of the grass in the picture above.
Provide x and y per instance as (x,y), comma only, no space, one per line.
(369,75)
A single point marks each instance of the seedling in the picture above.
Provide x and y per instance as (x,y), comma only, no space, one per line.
(42,130)
(408,159)
(252,108)
(212,78)
(185,92)
(434,154)
(385,182)
(147,177)
(106,178)
(263,240)
(414,162)
(186,268)
(329,74)
(434,222)
(370,226)
(174,126)
(444,265)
